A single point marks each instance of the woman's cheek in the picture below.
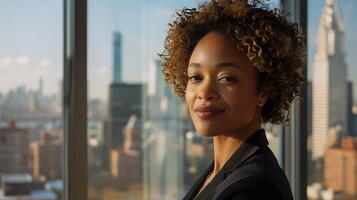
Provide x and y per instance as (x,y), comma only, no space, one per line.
(189,97)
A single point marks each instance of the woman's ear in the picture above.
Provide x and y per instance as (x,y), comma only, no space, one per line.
(263,97)
(263,90)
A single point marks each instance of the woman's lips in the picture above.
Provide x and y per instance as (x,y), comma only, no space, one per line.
(208,112)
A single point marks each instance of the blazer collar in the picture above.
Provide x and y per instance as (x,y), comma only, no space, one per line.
(250,146)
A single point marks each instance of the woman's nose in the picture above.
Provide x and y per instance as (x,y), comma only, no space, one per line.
(207,91)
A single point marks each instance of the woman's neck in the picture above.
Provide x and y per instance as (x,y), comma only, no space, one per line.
(224,146)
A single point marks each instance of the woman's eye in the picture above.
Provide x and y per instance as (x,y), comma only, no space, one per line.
(194,78)
(228,79)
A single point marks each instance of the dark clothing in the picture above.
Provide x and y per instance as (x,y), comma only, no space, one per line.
(252,173)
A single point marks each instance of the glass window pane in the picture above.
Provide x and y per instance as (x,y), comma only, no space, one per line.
(30,99)
(273,131)
(332,100)
(141,141)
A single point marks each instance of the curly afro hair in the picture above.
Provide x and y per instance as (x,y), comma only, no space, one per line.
(274,46)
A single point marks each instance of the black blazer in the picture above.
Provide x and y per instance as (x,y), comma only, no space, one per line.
(252,173)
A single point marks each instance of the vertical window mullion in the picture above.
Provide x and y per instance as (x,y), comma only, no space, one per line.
(75,100)
(295,140)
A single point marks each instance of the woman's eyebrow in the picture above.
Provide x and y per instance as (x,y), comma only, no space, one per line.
(228,64)
(220,65)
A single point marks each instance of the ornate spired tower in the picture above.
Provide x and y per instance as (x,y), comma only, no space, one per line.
(329,88)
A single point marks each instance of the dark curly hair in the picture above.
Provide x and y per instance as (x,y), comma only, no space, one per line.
(274,46)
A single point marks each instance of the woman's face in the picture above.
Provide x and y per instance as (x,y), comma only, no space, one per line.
(221,90)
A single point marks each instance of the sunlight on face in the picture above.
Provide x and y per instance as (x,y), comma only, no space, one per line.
(221,90)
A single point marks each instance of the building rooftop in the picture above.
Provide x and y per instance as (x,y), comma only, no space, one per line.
(16,178)
(34,195)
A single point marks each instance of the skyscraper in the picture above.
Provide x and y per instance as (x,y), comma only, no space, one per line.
(117,57)
(124,101)
(329,88)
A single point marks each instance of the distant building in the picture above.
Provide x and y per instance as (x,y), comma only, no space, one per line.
(122,127)
(329,87)
(124,100)
(117,57)
(127,160)
(25,105)
(14,149)
(47,157)
(340,172)
(24,187)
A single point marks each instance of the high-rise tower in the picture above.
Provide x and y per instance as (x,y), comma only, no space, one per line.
(117,57)
(329,88)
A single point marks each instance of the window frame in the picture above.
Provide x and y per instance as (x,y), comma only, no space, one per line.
(75,169)
(294,140)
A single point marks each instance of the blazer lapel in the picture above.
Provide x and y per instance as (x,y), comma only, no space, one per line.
(197,185)
(246,150)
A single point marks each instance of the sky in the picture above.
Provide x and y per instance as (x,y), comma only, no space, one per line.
(31,40)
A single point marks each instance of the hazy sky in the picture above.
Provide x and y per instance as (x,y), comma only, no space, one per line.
(31,39)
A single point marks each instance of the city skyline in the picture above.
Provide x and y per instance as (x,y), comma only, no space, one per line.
(24,34)
(148,131)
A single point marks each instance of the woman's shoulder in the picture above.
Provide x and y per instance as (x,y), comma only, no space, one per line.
(264,163)
(259,177)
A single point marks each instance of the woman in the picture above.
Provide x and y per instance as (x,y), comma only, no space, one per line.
(237,65)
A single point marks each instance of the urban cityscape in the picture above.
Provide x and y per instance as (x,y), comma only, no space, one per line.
(143,145)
